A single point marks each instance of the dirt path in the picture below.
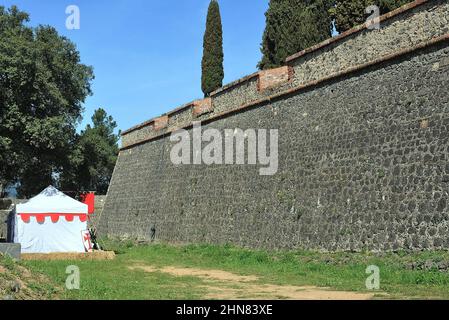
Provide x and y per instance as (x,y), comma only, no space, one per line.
(229,286)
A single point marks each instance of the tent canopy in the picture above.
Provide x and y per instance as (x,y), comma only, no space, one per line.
(50,201)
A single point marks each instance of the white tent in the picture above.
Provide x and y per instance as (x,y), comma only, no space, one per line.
(51,222)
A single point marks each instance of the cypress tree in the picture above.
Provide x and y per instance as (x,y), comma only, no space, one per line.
(291,26)
(212,63)
(350,13)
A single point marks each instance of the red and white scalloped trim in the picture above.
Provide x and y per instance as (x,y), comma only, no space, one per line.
(40,217)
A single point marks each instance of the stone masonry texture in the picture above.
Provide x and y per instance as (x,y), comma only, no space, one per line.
(363,157)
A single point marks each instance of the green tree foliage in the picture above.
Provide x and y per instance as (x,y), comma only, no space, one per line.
(93,156)
(212,63)
(292,26)
(350,13)
(42,88)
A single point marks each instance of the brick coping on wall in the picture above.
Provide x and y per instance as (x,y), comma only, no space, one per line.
(304,86)
(296,89)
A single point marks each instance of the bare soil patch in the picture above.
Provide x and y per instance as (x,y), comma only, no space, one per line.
(273,292)
(219,275)
(229,286)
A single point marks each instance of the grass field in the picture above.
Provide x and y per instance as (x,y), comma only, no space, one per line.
(162,271)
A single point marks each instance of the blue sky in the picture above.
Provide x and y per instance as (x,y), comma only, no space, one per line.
(146,54)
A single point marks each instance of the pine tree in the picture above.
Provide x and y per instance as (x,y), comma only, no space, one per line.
(212,63)
(93,156)
(350,13)
(291,26)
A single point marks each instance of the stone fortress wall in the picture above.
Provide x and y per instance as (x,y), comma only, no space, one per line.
(363,123)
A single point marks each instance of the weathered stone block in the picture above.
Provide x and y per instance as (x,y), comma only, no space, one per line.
(202,106)
(272,78)
(11,249)
(161,123)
